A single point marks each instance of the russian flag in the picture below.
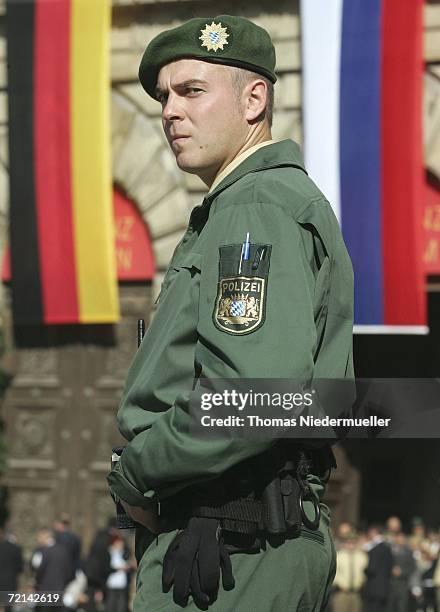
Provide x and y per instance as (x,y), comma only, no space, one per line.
(362,105)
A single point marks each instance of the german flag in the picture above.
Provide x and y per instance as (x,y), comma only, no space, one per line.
(61,222)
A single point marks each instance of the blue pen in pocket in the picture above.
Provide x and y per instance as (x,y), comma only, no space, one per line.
(245,251)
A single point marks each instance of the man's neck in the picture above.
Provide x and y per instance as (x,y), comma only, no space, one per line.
(230,164)
(253,139)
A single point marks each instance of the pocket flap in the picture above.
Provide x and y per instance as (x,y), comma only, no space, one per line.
(190,260)
(193,260)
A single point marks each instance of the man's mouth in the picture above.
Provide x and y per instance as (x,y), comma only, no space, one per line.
(178,138)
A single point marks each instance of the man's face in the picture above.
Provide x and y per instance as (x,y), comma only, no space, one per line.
(394,525)
(43,537)
(200,105)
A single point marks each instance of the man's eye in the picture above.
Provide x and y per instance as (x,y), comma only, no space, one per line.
(193,89)
(161,97)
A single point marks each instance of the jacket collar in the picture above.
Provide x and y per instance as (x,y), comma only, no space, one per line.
(278,154)
(283,153)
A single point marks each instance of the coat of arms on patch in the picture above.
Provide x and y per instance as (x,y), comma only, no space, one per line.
(214,37)
(240,304)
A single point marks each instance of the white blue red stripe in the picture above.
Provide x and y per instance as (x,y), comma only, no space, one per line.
(362,78)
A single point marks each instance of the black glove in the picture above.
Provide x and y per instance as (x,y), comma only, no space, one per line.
(193,562)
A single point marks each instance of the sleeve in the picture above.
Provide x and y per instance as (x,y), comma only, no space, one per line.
(164,458)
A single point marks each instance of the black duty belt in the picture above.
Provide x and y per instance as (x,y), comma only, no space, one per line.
(266,493)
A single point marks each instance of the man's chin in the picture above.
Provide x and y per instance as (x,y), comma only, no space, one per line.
(186,165)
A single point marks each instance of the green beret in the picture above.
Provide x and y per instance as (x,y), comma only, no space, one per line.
(226,39)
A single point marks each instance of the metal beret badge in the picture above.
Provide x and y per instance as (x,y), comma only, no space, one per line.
(214,37)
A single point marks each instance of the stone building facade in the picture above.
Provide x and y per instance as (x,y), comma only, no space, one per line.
(61,404)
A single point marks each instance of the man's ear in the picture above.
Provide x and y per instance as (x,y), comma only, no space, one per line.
(256,100)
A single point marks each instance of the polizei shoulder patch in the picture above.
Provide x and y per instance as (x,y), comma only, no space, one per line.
(240,306)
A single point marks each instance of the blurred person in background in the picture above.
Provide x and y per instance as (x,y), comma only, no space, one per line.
(350,575)
(118,582)
(427,561)
(425,546)
(343,530)
(378,571)
(404,567)
(75,596)
(11,564)
(418,533)
(97,566)
(65,536)
(393,527)
(436,580)
(52,565)
(433,542)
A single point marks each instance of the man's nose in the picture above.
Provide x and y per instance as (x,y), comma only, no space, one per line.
(173,108)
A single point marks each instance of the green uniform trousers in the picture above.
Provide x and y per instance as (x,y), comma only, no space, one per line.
(294,576)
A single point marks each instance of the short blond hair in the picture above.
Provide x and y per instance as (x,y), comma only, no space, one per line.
(241,77)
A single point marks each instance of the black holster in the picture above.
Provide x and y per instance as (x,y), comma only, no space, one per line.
(266,493)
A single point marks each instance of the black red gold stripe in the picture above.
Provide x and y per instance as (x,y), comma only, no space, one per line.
(25,259)
(63,259)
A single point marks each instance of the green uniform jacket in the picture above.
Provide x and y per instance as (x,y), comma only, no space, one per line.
(299,326)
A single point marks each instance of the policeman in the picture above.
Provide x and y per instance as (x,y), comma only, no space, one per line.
(260,286)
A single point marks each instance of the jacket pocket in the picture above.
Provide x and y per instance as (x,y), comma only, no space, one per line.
(240,304)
